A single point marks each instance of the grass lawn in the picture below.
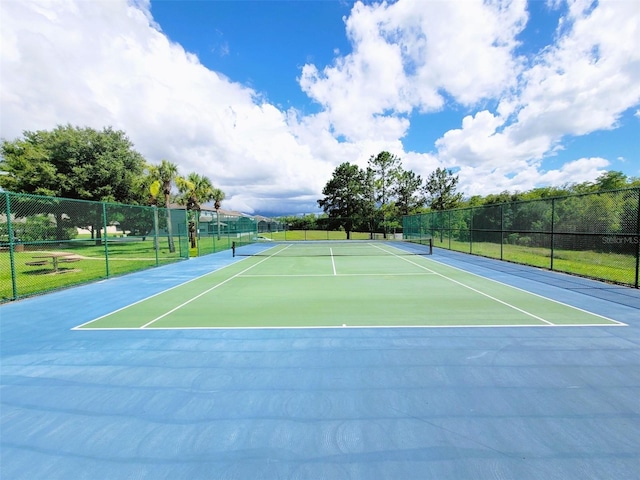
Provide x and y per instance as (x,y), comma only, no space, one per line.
(603,266)
(124,257)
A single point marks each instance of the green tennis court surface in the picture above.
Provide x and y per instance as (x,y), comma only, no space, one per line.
(342,285)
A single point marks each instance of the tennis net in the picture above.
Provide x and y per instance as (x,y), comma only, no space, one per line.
(333,248)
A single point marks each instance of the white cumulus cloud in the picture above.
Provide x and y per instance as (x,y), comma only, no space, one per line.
(108,63)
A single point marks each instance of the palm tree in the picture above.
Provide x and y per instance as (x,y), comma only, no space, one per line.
(194,190)
(166,173)
(217,197)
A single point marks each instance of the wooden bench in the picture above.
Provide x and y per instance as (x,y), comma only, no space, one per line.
(37,263)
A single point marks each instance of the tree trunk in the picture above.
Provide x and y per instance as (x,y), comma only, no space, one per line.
(218,222)
(172,247)
(98,228)
(59,229)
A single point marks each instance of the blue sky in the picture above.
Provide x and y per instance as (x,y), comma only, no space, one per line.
(266,97)
(263,44)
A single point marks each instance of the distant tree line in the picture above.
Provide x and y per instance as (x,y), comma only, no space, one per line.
(376,198)
(88,164)
(610,180)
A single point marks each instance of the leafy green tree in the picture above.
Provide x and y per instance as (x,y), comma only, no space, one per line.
(407,192)
(612,180)
(76,163)
(370,218)
(545,192)
(73,162)
(137,220)
(193,191)
(473,201)
(41,228)
(385,168)
(440,190)
(345,196)
(218,196)
(502,197)
(304,222)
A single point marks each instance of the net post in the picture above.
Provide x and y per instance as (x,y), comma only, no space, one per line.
(431,246)
(233,248)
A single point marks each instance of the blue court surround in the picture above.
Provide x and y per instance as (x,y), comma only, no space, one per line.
(393,403)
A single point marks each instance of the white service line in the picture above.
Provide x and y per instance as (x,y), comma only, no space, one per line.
(79,327)
(622,324)
(207,291)
(471,288)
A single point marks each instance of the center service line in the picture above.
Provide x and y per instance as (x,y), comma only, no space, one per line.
(333,263)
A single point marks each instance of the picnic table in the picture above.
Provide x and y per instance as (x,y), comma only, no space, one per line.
(55,258)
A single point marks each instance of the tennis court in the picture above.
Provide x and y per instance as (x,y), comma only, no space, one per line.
(358,360)
(343,284)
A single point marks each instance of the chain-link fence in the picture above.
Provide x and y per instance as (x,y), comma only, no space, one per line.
(595,235)
(216,232)
(48,243)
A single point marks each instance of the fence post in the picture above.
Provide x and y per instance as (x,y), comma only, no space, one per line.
(12,260)
(156,244)
(255,220)
(106,240)
(501,231)
(471,231)
(553,219)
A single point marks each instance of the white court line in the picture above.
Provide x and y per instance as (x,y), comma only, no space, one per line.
(427,272)
(285,275)
(207,291)
(470,288)
(80,327)
(535,295)
(333,263)
(155,295)
(616,322)
(353,327)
